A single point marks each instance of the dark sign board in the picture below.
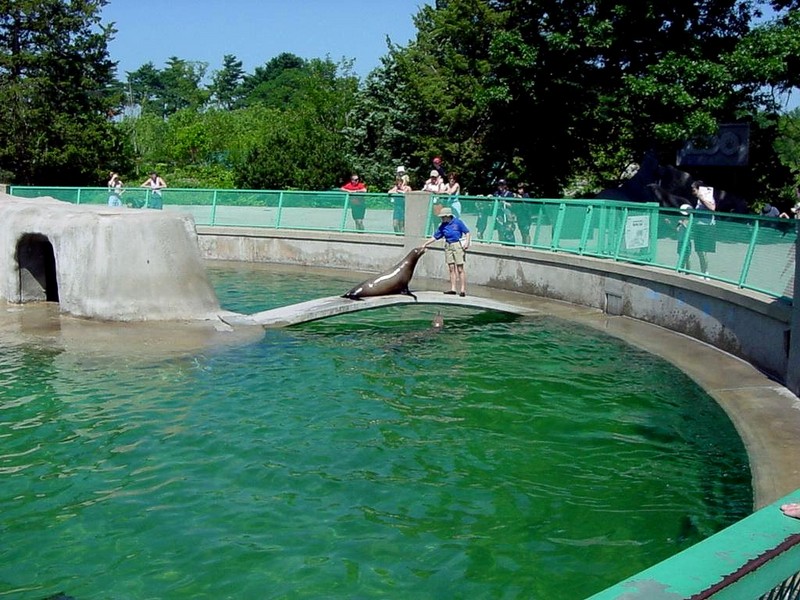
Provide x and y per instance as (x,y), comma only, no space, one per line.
(728,148)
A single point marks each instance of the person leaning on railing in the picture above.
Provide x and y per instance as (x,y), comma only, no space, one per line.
(358,206)
(115,190)
(399,203)
(156,184)
(435,185)
(704,233)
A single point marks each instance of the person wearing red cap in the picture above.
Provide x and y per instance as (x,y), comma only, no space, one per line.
(437,164)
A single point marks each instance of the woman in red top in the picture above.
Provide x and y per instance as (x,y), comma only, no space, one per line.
(357,205)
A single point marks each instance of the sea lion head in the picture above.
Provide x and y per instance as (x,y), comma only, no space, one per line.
(413,256)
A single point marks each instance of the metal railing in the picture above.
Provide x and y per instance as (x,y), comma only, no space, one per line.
(755,558)
(748,251)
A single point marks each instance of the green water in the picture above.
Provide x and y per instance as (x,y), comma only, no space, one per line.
(356,457)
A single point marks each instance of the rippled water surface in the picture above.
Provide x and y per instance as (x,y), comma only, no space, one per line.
(358,457)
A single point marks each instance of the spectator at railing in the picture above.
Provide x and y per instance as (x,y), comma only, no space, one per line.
(453,189)
(156,184)
(484,209)
(115,190)
(522,210)
(504,218)
(401,172)
(704,233)
(399,203)
(437,164)
(796,208)
(358,206)
(770,211)
(435,185)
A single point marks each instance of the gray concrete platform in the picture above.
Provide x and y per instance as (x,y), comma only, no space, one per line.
(330,306)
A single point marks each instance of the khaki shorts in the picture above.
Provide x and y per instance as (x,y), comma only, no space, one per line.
(454,254)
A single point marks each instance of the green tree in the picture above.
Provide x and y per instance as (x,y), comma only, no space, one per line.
(57,93)
(275,84)
(181,81)
(552,92)
(145,89)
(164,92)
(226,84)
(304,147)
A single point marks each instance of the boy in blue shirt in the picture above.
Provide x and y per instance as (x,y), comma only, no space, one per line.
(456,237)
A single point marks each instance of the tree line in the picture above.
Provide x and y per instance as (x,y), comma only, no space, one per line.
(561,95)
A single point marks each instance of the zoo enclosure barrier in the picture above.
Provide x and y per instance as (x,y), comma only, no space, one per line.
(748,251)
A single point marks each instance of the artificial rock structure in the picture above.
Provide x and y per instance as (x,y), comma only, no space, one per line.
(104,263)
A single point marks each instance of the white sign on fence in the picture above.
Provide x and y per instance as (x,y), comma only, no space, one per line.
(637,232)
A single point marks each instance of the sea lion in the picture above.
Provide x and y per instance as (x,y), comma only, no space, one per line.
(393,281)
(438,323)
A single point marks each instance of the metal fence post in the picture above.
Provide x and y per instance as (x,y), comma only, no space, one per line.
(214,208)
(556,235)
(343,224)
(748,257)
(280,211)
(793,362)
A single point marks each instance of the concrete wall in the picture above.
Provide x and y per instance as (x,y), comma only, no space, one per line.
(103,263)
(746,324)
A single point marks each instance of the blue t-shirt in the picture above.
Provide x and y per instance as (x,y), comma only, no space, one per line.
(451,231)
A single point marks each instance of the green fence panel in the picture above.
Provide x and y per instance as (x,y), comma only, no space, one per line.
(71,195)
(544,226)
(746,560)
(313,210)
(474,212)
(246,208)
(377,216)
(771,267)
(627,231)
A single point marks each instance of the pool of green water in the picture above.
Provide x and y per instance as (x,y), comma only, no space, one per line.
(362,456)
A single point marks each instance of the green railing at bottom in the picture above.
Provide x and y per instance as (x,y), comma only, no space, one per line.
(758,557)
(748,251)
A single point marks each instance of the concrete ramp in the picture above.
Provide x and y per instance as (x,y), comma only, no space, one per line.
(330,306)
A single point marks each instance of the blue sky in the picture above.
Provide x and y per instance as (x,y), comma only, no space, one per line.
(256,30)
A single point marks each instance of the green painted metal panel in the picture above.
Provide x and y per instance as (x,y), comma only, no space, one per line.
(742,561)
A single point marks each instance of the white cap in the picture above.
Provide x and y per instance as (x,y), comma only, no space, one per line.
(401,169)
